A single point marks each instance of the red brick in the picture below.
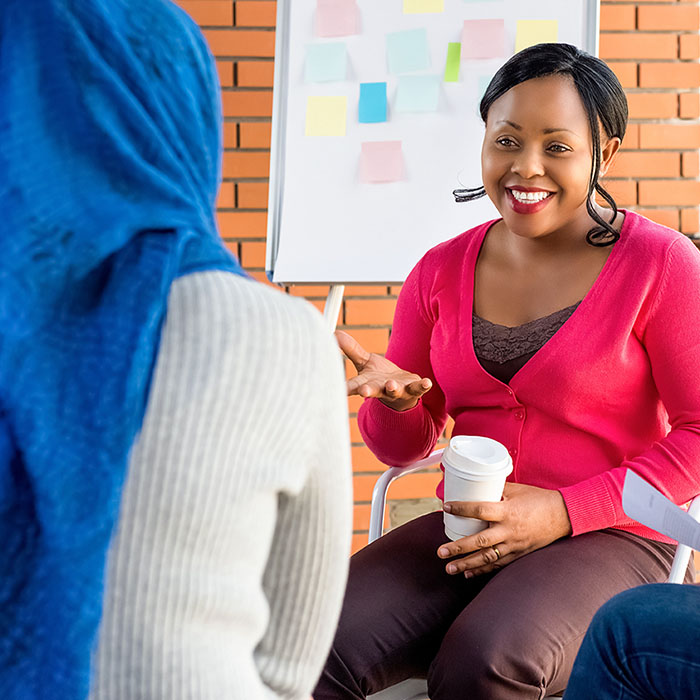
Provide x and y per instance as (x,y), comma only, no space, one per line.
(364,290)
(361,517)
(371,339)
(256,73)
(242,224)
(256,13)
(209,13)
(225,70)
(256,134)
(395,290)
(638,46)
(247,103)
(418,485)
(364,461)
(639,164)
(631,140)
(227,196)
(626,73)
(230,135)
(669,75)
(624,192)
(665,217)
(370,312)
(665,192)
(252,195)
(676,136)
(308,290)
(652,105)
(614,17)
(690,221)
(261,277)
(241,42)
(253,254)
(681,17)
(244,164)
(359,540)
(689,105)
(690,164)
(689,47)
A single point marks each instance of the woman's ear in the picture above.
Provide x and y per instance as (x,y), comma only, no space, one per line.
(607,154)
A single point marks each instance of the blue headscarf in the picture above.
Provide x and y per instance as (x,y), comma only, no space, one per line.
(109,166)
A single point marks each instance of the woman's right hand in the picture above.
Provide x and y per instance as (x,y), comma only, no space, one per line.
(381,378)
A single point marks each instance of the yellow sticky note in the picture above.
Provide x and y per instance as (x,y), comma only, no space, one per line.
(535,31)
(326,116)
(417,7)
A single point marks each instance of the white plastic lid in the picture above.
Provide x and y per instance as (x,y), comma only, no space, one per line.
(477,456)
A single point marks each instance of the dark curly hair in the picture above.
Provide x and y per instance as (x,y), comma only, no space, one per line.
(603,99)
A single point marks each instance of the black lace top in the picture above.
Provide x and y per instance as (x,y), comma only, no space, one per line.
(503,350)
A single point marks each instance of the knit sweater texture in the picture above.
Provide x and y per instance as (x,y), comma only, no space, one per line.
(226,573)
(616,387)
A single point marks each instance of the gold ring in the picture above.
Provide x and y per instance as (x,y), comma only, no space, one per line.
(498,554)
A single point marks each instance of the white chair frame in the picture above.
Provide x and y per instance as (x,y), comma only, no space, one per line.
(416,688)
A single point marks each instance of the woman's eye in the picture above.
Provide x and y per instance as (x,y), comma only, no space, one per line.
(505,141)
(558,148)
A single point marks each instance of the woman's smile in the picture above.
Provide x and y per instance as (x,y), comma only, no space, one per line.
(524,200)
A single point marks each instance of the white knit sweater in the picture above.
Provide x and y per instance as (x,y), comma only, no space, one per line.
(227,569)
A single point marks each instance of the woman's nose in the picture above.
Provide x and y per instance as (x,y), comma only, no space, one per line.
(528,163)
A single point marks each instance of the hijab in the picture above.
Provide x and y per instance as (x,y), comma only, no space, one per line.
(110,149)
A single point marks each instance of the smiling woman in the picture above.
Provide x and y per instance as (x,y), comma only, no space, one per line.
(561,330)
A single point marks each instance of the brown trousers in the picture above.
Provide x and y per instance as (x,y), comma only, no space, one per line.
(509,635)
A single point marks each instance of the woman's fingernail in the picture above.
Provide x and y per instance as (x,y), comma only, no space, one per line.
(447,507)
(452,569)
(444,552)
(468,574)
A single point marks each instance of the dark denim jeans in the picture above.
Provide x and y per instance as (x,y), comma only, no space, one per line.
(643,644)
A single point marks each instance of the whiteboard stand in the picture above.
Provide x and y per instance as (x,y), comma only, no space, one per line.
(333,302)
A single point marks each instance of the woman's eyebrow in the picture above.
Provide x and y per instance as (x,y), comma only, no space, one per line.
(549,130)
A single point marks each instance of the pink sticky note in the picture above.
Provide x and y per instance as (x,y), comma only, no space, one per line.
(381,161)
(483,38)
(336,17)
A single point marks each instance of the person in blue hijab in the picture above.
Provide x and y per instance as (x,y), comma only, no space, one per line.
(109,168)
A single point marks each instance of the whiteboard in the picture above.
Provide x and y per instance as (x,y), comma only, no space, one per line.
(325,225)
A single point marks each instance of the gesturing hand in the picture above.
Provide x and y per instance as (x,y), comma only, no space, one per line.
(527,518)
(380,377)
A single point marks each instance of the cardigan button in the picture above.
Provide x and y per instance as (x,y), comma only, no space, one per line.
(513,452)
(519,415)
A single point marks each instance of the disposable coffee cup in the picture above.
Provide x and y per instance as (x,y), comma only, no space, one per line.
(475,470)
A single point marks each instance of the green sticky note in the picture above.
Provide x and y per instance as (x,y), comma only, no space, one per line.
(454,51)
(418,7)
(326,116)
(535,31)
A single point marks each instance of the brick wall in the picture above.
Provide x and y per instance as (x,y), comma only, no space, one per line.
(653,46)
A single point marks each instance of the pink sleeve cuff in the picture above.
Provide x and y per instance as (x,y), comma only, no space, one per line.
(590,506)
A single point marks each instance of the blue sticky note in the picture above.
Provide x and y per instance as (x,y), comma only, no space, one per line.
(372,103)
(418,93)
(407,51)
(326,62)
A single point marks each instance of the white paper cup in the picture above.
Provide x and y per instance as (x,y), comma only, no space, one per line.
(475,470)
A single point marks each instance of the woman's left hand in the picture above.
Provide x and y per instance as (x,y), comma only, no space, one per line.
(527,519)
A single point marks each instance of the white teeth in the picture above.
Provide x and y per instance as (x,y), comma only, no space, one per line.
(529,197)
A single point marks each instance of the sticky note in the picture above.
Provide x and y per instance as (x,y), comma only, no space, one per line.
(381,161)
(535,31)
(326,116)
(484,81)
(452,62)
(372,103)
(407,51)
(418,93)
(326,62)
(483,38)
(418,7)
(336,17)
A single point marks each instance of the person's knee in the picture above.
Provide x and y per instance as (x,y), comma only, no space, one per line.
(487,668)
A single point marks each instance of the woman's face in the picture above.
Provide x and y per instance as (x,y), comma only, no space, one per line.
(537,156)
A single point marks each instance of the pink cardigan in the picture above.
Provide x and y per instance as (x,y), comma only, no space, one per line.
(617,386)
